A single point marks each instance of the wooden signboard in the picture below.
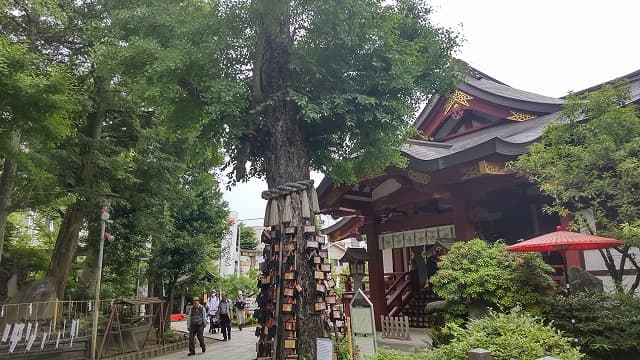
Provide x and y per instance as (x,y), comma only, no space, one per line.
(324,349)
(363,325)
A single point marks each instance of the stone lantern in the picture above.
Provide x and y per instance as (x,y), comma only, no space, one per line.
(357,258)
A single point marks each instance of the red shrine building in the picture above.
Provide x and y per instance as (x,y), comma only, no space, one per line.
(456,187)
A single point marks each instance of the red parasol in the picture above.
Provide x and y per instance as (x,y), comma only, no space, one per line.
(562,241)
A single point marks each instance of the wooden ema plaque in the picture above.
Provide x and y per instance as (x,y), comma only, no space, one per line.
(288,291)
(289,343)
(325,267)
(318,275)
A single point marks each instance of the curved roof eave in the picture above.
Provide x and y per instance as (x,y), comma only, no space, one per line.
(493,146)
(510,97)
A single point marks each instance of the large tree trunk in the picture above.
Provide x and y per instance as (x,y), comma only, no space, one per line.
(9,171)
(286,157)
(66,245)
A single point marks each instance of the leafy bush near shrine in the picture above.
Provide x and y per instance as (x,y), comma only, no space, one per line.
(607,326)
(477,271)
(513,335)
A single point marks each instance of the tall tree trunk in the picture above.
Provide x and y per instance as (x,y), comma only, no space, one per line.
(9,171)
(66,245)
(286,157)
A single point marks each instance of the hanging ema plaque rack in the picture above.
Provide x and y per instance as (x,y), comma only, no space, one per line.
(281,287)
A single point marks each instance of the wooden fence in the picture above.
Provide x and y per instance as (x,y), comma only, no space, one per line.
(396,327)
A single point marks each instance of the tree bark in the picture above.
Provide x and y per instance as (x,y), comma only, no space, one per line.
(65,248)
(9,171)
(286,157)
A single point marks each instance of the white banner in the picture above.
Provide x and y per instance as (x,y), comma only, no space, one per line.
(228,250)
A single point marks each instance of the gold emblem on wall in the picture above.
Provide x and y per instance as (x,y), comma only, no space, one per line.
(418,177)
(519,116)
(458,98)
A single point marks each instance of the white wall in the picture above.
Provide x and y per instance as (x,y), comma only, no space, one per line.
(594,262)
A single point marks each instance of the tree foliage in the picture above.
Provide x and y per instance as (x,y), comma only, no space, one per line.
(605,325)
(513,335)
(589,160)
(248,238)
(476,270)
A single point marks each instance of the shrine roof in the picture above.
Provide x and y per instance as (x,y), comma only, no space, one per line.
(508,139)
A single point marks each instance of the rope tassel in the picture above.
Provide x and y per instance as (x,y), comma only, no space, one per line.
(279,206)
(306,211)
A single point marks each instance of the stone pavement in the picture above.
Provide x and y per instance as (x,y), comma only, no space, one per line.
(241,347)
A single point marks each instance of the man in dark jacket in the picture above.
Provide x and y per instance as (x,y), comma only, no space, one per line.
(225,311)
(196,322)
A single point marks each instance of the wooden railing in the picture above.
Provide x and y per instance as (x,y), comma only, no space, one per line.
(399,287)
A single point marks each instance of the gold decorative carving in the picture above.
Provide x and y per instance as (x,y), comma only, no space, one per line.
(419,177)
(519,116)
(483,168)
(458,98)
(494,168)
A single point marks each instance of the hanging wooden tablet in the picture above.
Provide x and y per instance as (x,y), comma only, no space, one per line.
(290,230)
(318,275)
(325,267)
(290,343)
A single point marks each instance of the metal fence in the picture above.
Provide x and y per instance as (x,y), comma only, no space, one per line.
(48,326)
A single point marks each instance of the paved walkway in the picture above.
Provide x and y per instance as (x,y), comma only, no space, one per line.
(241,347)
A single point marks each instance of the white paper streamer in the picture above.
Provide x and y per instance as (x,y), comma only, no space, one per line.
(77,327)
(16,336)
(30,309)
(20,330)
(89,303)
(12,345)
(32,339)
(5,333)
(2,311)
(45,336)
(72,334)
(58,339)
(14,333)
(64,327)
(29,326)
(44,340)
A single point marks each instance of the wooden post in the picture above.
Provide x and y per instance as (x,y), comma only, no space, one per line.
(376,273)
(348,319)
(479,354)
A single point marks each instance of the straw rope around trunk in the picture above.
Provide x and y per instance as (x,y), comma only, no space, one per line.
(279,206)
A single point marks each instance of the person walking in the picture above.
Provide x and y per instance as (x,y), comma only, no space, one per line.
(196,322)
(212,305)
(225,309)
(240,305)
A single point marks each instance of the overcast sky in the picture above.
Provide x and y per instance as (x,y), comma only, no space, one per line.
(543,46)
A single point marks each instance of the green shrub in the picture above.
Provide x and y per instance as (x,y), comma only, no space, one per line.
(515,335)
(607,326)
(478,271)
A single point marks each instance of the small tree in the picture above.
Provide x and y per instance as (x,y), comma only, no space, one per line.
(594,165)
(248,238)
(476,270)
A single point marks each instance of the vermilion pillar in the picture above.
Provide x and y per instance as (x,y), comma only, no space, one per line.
(465,230)
(376,272)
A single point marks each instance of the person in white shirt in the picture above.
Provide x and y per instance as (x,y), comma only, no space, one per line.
(240,305)
(212,306)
